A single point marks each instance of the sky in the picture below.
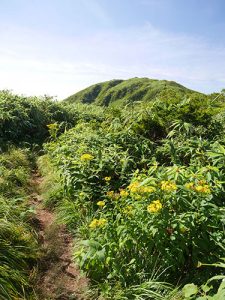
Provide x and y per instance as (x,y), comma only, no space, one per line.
(58,47)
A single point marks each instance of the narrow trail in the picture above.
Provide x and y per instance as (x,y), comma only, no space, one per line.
(58,277)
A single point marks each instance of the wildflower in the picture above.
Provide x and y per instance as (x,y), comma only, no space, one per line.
(168,186)
(107,178)
(86,157)
(124,193)
(110,194)
(138,192)
(203,189)
(154,207)
(102,222)
(133,187)
(146,189)
(199,188)
(101,203)
(93,224)
(97,223)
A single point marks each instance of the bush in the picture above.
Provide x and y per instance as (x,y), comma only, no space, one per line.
(26,119)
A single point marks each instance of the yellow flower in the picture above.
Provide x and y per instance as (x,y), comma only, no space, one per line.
(101,203)
(133,187)
(124,193)
(110,194)
(102,222)
(154,207)
(168,186)
(86,157)
(206,189)
(97,223)
(199,188)
(93,224)
(203,189)
(146,190)
(107,178)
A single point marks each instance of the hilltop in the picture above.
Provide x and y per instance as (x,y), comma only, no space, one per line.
(121,92)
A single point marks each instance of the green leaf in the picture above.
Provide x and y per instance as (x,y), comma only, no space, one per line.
(190,290)
(206,288)
(91,243)
(222,286)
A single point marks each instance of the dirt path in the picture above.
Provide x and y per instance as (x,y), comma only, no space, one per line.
(58,277)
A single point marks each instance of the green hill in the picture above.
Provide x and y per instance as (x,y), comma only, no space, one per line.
(116,92)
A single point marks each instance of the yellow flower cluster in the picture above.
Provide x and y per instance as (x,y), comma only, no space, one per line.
(146,190)
(201,188)
(97,223)
(108,178)
(101,203)
(154,207)
(110,194)
(135,187)
(86,157)
(124,193)
(168,186)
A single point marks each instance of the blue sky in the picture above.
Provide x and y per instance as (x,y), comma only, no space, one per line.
(58,47)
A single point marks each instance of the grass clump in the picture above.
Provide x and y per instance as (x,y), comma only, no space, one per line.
(17,240)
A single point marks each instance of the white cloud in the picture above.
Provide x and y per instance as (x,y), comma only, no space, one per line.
(36,63)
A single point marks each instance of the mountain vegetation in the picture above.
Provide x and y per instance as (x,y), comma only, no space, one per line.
(123,92)
(135,170)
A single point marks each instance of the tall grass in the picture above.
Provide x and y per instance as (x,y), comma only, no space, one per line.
(18,247)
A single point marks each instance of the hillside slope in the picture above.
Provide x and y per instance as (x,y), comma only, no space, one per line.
(116,92)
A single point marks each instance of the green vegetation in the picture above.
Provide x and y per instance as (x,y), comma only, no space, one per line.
(122,92)
(140,186)
(25,119)
(17,241)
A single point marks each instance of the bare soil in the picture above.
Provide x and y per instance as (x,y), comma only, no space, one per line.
(57,275)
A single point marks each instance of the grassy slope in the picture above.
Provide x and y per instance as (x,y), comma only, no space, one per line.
(127,91)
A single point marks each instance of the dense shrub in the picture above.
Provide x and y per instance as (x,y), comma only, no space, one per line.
(25,119)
